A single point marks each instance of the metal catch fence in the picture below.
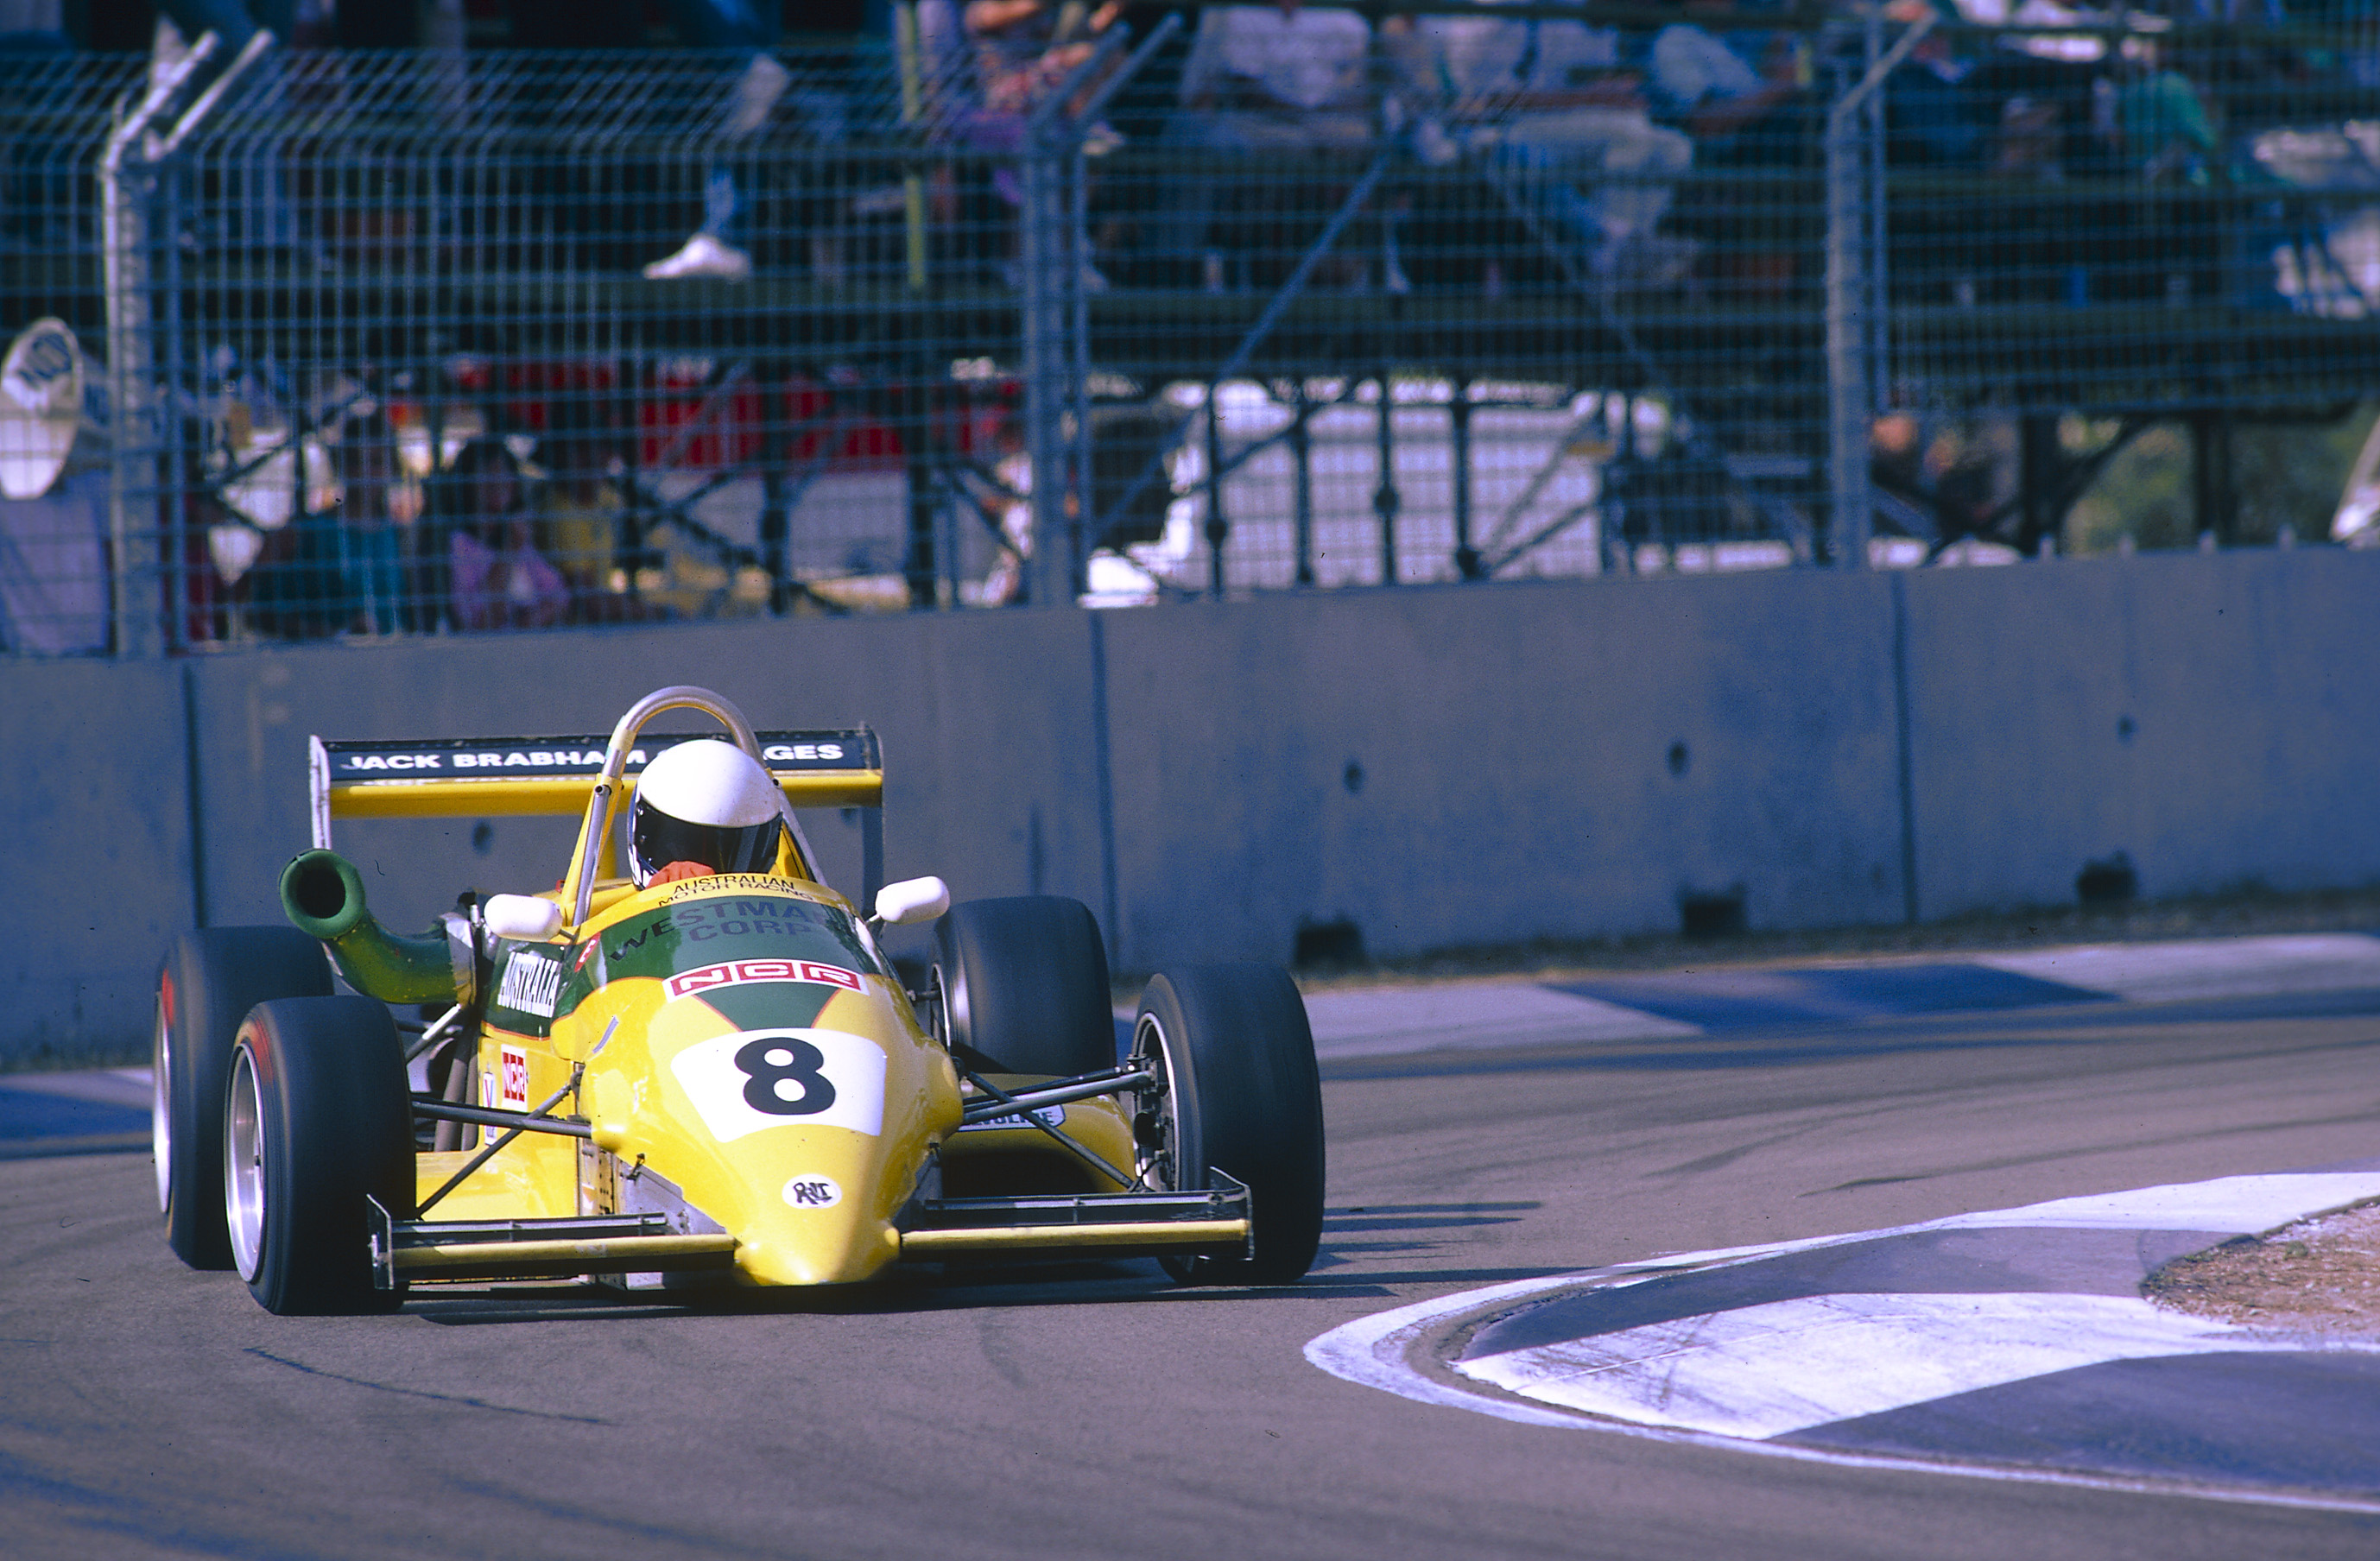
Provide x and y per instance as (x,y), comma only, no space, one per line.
(377,344)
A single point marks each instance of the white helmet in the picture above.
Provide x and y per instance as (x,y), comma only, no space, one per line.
(709,802)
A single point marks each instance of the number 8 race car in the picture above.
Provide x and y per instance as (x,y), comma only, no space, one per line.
(718,1078)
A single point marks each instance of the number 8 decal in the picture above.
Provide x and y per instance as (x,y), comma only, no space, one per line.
(772,1065)
(755,1080)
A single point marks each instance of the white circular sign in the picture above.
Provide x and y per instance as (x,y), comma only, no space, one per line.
(813,1192)
(41,408)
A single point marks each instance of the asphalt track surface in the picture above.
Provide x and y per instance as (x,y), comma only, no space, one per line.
(1100,1411)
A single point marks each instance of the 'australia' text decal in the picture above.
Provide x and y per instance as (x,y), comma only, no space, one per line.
(530,984)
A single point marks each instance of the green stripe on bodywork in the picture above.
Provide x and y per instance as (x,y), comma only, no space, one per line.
(671,940)
(769,1005)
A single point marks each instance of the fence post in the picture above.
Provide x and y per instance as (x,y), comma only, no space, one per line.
(1851,299)
(1046,361)
(1219,524)
(1080,518)
(1458,433)
(1847,304)
(1301,460)
(1386,501)
(123,239)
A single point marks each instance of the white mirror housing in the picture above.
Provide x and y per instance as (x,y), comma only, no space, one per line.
(524,917)
(912,901)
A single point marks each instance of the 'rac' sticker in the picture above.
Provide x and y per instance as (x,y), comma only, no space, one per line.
(513,1076)
(813,1192)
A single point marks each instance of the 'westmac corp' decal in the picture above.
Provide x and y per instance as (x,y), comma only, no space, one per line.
(737,972)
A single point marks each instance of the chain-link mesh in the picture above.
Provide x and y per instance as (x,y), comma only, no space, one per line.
(443,343)
(1464,295)
(2084,234)
(422,344)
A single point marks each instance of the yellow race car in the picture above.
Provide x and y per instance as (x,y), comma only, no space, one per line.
(703,1073)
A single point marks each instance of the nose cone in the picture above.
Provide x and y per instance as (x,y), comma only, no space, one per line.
(802,1141)
(819,1207)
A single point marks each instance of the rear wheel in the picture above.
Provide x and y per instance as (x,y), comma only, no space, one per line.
(1239,1093)
(317,1118)
(1024,987)
(210,980)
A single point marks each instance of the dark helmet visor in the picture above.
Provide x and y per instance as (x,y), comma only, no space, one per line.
(659,840)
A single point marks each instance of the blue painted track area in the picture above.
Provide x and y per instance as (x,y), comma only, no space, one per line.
(1844,997)
(92,1113)
(1758,998)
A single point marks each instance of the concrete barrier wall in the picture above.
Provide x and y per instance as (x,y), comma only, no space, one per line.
(95,806)
(1427,767)
(2216,719)
(1555,759)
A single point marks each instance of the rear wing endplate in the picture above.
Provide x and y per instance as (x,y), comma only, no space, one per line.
(518,777)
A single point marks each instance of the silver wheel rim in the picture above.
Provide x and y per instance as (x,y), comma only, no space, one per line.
(1157,1163)
(244,1166)
(161,1109)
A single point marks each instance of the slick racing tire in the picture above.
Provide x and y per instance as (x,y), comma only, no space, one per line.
(1240,1094)
(317,1118)
(1024,987)
(211,978)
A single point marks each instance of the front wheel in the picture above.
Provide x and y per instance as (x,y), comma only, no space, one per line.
(1024,987)
(211,978)
(317,1118)
(1238,1091)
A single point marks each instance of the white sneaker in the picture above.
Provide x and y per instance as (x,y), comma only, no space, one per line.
(703,255)
(757,92)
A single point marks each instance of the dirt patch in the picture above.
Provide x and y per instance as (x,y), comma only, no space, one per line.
(2320,1275)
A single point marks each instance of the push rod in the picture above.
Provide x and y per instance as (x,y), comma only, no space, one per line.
(448,1111)
(1089,1085)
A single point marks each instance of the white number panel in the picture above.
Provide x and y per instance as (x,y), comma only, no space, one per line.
(758,1079)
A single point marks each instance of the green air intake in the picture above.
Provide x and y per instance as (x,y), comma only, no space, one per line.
(323,896)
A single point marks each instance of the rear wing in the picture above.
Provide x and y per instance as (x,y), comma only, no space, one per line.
(518,777)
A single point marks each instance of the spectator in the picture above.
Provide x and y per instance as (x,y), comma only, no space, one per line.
(364,461)
(580,511)
(2161,121)
(734,25)
(1932,117)
(1023,49)
(297,588)
(1550,101)
(1268,81)
(986,67)
(495,576)
(1735,113)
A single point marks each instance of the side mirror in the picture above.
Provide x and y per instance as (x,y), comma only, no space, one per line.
(912,901)
(524,917)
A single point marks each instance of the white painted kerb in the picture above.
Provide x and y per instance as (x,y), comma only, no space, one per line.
(1763,1370)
